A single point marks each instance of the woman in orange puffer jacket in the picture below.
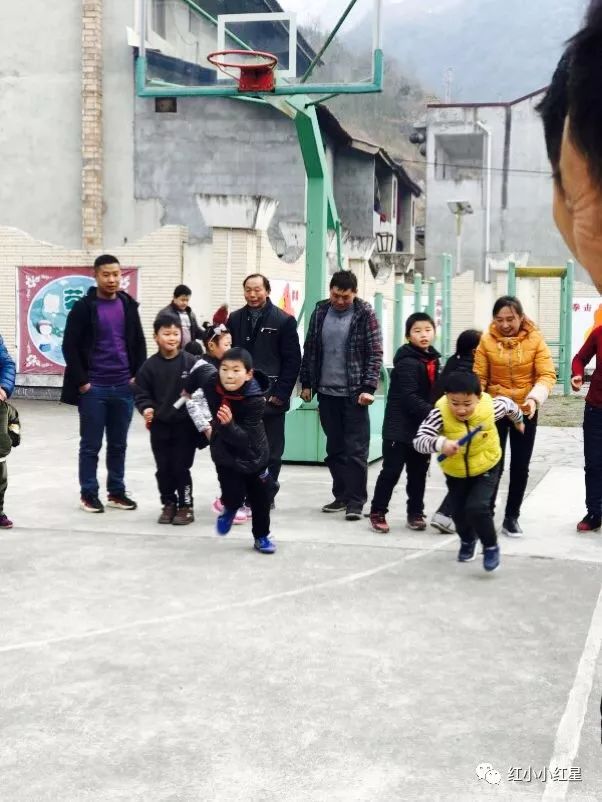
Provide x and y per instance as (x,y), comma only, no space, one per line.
(513,360)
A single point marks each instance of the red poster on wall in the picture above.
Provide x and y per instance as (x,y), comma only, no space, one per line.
(45,296)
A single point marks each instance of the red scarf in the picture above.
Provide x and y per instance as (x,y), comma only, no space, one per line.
(227,397)
(431,370)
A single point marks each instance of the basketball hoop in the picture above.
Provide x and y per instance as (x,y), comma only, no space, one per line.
(255,68)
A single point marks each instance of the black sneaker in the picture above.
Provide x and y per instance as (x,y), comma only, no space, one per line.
(353,514)
(335,506)
(511,527)
(591,523)
(121,502)
(468,551)
(91,504)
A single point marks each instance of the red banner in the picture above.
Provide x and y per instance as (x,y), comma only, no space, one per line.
(45,296)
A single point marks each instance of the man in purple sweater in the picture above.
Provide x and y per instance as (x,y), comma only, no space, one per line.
(103,346)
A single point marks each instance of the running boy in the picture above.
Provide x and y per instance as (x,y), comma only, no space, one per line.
(174,438)
(592,429)
(471,470)
(216,339)
(239,446)
(463,361)
(415,369)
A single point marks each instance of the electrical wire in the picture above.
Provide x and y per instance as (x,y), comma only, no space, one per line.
(547,173)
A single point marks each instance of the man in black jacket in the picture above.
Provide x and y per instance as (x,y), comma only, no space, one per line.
(103,346)
(270,336)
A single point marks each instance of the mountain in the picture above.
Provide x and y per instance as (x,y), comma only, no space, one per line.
(497,49)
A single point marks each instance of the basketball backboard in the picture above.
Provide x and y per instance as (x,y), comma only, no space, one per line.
(181,34)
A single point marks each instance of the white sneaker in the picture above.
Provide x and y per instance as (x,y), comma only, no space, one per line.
(443,523)
(241,516)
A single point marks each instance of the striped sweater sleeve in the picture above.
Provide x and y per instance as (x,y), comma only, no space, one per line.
(428,437)
(503,407)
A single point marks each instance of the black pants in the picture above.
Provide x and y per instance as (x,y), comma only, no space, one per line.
(3,483)
(521,450)
(446,508)
(471,502)
(274,429)
(346,425)
(592,450)
(174,447)
(395,457)
(258,492)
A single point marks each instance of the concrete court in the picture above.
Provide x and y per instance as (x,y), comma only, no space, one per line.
(145,662)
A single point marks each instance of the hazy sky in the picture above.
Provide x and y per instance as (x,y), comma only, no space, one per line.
(328,11)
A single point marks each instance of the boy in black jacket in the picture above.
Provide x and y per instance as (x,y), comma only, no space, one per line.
(173,435)
(415,369)
(239,446)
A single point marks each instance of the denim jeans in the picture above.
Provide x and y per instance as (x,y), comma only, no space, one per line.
(592,449)
(104,409)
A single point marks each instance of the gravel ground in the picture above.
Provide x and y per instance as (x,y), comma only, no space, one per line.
(562,410)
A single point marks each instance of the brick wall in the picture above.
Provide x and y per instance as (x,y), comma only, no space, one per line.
(92,140)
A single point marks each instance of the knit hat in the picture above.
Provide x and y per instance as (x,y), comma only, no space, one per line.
(221,315)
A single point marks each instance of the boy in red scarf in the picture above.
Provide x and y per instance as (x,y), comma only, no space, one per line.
(415,370)
(239,446)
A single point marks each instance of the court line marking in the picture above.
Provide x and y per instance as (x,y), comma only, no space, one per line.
(568,734)
(199,611)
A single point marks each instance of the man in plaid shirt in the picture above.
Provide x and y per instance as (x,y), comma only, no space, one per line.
(342,358)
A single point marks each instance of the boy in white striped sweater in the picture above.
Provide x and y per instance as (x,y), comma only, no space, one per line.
(462,428)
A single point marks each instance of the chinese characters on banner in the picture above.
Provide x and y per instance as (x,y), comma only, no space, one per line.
(45,296)
(587,315)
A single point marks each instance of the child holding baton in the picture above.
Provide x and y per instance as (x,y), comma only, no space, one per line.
(462,429)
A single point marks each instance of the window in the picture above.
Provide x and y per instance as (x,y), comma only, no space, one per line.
(459,157)
(159,18)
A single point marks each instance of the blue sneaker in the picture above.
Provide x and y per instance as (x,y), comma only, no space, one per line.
(265,545)
(491,558)
(223,523)
(468,551)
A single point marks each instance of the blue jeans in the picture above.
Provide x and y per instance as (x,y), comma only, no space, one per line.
(104,409)
(592,448)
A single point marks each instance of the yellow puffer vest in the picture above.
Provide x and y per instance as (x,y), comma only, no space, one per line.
(483,451)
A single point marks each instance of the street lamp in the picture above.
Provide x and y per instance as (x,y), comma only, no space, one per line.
(384,242)
(459,209)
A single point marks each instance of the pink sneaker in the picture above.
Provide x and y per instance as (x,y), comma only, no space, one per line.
(247,510)
(241,516)
(217,506)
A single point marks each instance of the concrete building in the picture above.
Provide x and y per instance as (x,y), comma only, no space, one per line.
(202,191)
(493,156)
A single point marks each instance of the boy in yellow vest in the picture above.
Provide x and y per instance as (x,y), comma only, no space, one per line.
(471,469)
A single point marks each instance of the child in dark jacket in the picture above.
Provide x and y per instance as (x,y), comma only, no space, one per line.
(239,446)
(460,362)
(173,435)
(415,369)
